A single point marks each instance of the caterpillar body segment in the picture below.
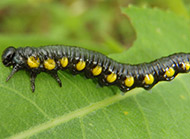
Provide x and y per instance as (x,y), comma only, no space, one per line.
(50,59)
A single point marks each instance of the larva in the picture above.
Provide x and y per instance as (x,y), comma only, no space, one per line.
(50,59)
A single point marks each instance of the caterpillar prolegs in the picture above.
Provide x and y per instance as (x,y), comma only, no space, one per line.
(50,59)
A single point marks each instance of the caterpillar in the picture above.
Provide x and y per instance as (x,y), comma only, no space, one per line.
(93,64)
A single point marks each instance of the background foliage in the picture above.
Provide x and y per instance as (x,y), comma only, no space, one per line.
(81,109)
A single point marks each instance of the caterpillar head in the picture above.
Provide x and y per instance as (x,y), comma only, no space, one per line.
(8,60)
(7,56)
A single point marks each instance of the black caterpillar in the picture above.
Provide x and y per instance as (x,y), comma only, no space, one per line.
(109,72)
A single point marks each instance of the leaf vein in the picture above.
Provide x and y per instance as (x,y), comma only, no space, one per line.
(27,99)
(75,114)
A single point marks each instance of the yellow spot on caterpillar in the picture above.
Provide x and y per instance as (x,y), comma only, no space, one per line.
(64,62)
(80,65)
(149,79)
(49,64)
(97,70)
(170,72)
(33,62)
(187,66)
(111,78)
(129,81)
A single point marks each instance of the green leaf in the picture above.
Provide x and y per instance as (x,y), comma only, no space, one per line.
(81,109)
(177,6)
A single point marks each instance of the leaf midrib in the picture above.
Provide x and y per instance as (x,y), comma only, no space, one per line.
(75,114)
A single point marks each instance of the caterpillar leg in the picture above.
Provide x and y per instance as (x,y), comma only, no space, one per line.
(32,80)
(56,77)
(14,70)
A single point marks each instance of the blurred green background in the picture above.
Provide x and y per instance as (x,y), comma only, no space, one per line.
(94,24)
